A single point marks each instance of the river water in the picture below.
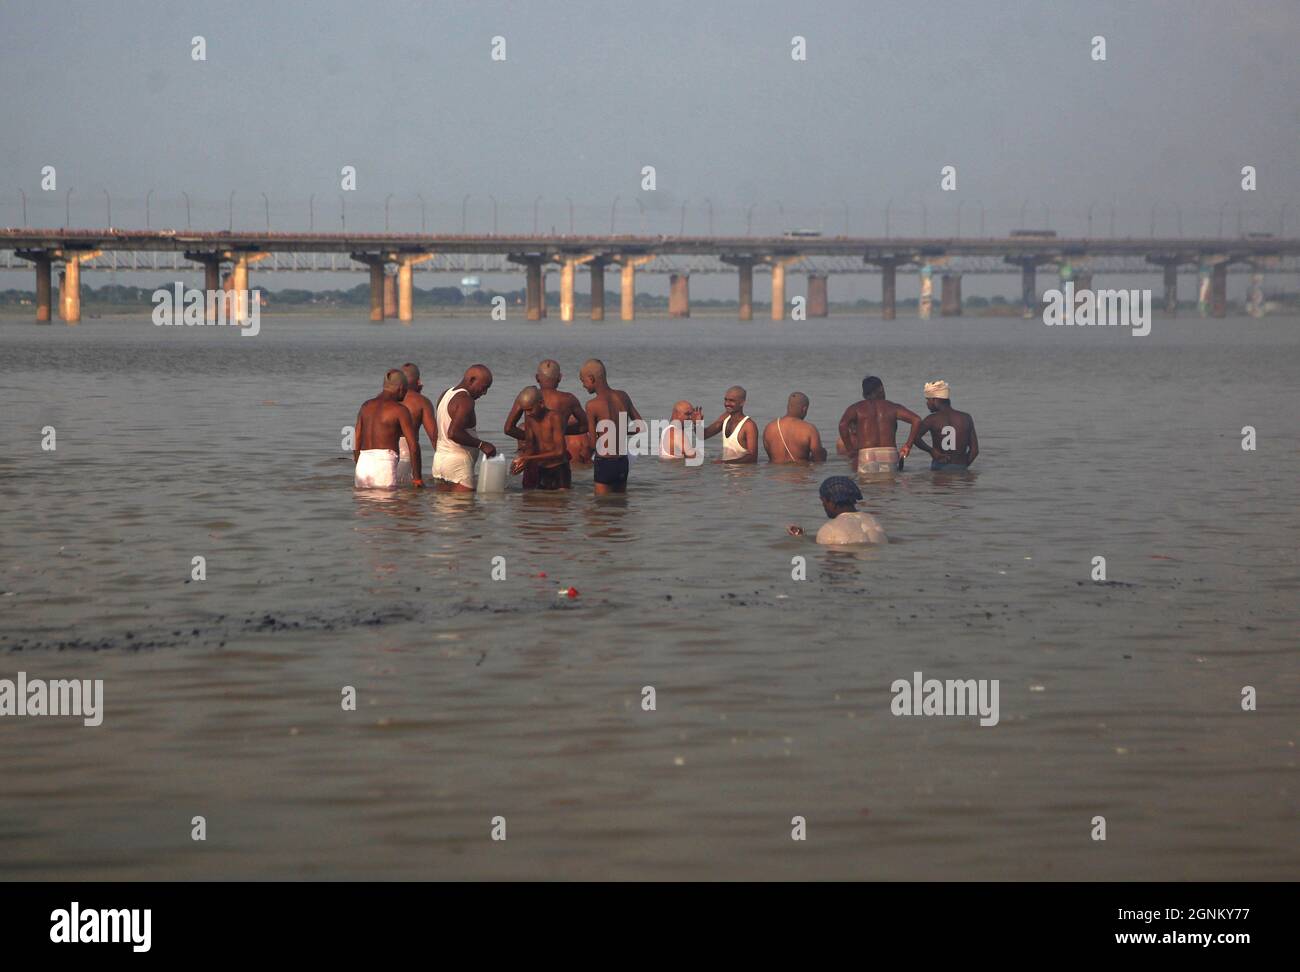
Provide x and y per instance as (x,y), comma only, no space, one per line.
(480,698)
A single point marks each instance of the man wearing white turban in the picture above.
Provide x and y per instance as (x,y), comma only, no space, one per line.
(953,443)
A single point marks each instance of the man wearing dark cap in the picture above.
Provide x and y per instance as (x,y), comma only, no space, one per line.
(840,495)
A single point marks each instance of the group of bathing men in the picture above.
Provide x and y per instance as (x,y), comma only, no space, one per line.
(558,432)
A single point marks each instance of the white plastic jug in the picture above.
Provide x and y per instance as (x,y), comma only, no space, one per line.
(492,474)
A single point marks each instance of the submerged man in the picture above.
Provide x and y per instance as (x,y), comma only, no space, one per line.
(869,429)
(543,452)
(458,443)
(380,423)
(566,405)
(608,405)
(953,443)
(791,438)
(839,496)
(672,441)
(739,433)
(422,416)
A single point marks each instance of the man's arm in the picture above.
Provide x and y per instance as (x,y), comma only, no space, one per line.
(914,420)
(632,414)
(356,438)
(579,416)
(848,423)
(461,410)
(512,423)
(926,426)
(974,444)
(408,432)
(815,447)
(430,426)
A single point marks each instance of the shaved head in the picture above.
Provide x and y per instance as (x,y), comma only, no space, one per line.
(797,405)
(394,381)
(529,397)
(477,380)
(549,371)
(594,367)
(412,372)
(681,410)
(738,392)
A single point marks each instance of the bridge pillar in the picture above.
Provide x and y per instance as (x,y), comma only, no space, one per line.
(405,292)
(597,290)
(211,280)
(778,290)
(888,290)
(1219,290)
(679,295)
(1029,287)
(376,290)
(950,301)
(43,290)
(568,268)
(745,268)
(533,288)
(390,295)
(818,306)
(627,298)
(70,289)
(1171,289)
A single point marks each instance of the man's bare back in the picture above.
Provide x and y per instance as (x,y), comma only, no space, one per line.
(423,415)
(951,428)
(608,404)
(789,439)
(380,423)
(873,424)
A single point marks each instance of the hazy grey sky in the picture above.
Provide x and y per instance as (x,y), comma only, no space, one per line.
(706,92)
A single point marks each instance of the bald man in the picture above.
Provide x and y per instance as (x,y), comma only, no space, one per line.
(543,451)
(610,415)
(422,416)
(566,405)
(739,433)
(672,441)
(380,423)
(791,438)
(869,429)
(458,444)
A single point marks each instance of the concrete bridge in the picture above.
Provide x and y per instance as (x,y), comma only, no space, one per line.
(819,256)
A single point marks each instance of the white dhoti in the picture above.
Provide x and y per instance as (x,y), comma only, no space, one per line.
(376,469)
(403,462)
(454,465)
(878,460)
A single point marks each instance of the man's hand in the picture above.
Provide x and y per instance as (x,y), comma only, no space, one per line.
(794,531)
(418,483)
(904,452)
(517,466)
(488,449)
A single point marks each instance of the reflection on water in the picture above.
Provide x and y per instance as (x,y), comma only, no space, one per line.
(479,696)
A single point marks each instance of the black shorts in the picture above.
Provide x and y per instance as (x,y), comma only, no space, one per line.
(610,470)
(554,477)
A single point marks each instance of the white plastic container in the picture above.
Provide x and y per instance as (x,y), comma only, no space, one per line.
(492,474)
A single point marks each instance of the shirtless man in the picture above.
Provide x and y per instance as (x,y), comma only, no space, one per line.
(567,405)
(790,438)
(869,429)
(739,433)
(609,460)
(953,442)
(544,451)
(458,444)
(422,416)
(380,423)
(840,496)
(672,441)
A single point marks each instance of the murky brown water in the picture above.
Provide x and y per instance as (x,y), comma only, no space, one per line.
(481,699)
